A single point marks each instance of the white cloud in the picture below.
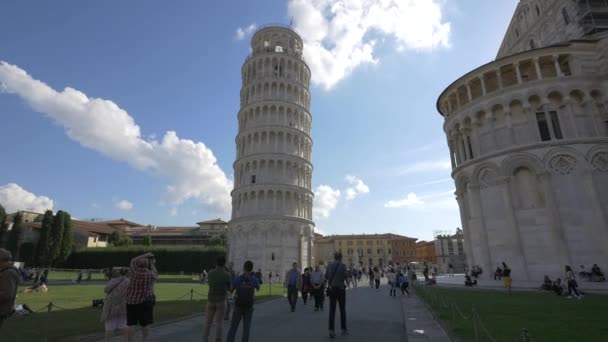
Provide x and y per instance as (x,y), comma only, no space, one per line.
(411,200)
(428,202)
(242,32)
(101,125)
(357,187)
(340,35)
(123,205)
(426,166)
(14,198)
(326,200)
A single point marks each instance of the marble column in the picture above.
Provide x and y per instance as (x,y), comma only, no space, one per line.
(514,225)
(466,230)
(555,221)
(600,229)
(517,73)
(558,70)
(475,199)
(539,75)
(483,86)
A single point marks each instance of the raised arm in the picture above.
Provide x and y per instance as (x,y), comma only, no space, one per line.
(133,264)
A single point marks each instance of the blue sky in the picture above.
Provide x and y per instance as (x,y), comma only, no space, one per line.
(380,156)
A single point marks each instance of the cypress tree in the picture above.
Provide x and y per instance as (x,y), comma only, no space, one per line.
(56,236)
(15,236)
(67,238)
(42,249)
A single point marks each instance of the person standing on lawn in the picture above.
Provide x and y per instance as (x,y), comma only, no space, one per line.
(244,287)
(293,282)
(219,284)
(572,284)
(114,313)
(140,295)
(9,282)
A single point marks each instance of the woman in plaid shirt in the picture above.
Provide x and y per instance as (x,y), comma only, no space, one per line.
(140,294)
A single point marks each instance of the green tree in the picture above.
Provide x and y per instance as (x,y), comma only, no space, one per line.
(56,236)
(67,240)
(216,240)
(119,239)
(147,240)
(15,235)
(26,252)
(42,249)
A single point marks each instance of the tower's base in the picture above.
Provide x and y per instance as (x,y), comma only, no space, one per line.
(286,240)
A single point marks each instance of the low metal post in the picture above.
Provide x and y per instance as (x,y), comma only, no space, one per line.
(191,294)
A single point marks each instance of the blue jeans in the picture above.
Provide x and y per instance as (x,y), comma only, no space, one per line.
(237,314)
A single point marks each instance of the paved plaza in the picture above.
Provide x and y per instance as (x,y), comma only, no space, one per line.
(371,316)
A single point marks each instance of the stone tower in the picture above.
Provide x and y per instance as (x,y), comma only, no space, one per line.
(271,221)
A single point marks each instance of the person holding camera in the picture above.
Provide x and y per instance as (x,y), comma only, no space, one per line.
(140,295)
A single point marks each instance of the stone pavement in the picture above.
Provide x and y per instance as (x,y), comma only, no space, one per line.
(371,316)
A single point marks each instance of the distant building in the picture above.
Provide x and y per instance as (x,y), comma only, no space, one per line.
(365,249)
(425,252)
(450,250)
(172,235)
(96,234)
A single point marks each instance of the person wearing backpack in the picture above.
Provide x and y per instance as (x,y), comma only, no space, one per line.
(243,287)
(336,291)
(9,282)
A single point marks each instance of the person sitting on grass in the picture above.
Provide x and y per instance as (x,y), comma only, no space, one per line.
(547,284)
(468,282)
(558,287)
(596,273)
(498,273)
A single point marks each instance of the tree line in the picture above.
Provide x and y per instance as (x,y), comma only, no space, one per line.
(54,245)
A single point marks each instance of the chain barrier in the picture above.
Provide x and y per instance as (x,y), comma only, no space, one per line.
(436,300)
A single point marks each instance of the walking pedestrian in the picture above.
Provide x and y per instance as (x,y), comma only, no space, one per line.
(219,283)
(114,314)
(306,285)
(451,269)
(317,278)
(377,277)
(371,277)
(392,282)
(228,306)
(404,284)
(293,282)
(336,276)
(140,295)
(9,283)
(506,277)
(243,286)
(572,284)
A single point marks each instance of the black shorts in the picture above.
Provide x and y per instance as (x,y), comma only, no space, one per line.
(142,314)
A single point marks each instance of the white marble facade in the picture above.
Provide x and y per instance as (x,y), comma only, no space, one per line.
(528,135)
(272,197)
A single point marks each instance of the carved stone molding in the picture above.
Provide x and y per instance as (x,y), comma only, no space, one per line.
(563,164)
(599,161)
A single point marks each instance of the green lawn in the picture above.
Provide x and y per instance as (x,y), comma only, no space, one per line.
(163,278)
(74,314)
(546,316)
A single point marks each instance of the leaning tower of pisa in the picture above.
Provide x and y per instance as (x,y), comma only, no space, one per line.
(271,221)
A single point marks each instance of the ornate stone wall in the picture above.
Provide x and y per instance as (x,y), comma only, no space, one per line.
(528,136)
(272,199)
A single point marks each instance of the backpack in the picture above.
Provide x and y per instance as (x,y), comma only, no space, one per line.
(244,293)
